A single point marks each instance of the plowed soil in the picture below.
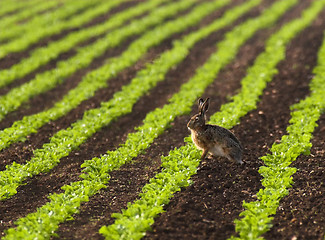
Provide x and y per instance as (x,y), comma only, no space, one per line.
(206,209)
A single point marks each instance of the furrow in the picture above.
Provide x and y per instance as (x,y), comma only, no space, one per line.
(49,79)
(182,163)
(35,35)
(9,7)
(65,141)
(109,137)
(277,171)
(26,13)
(39,22)
(157,127)
(123,101)
(210,205)
(301,213)
(43,55)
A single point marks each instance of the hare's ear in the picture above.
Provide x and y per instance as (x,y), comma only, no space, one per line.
(200,103)
(205,106)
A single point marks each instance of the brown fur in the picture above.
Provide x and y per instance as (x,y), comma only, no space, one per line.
(213,139)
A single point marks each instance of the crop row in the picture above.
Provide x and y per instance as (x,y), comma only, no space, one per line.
(97,169)
(276,172)
(43,55)
(10,6)
(178,168)
(33,35)
(49,79)
(48,19)
(181,164)
(10,20)
(64,141)
(154,124)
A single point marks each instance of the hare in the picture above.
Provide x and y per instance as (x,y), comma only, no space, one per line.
(213,139)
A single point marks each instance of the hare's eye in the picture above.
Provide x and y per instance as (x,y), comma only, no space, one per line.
(197,119)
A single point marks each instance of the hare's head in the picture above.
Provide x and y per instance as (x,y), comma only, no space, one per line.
(198,120)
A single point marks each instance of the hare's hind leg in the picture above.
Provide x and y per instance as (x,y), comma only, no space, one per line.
(236,155)
(239,160)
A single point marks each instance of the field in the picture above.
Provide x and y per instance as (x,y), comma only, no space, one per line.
(95,97)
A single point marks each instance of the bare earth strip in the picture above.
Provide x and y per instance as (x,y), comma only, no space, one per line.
(38,187)
(301,214)
(207,209)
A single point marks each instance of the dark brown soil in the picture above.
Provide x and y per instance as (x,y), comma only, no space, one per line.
(301,214)
(206,209)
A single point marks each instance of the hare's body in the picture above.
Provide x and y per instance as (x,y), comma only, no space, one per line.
(213,139)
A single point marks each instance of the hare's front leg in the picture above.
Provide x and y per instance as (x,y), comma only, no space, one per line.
(204,154)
